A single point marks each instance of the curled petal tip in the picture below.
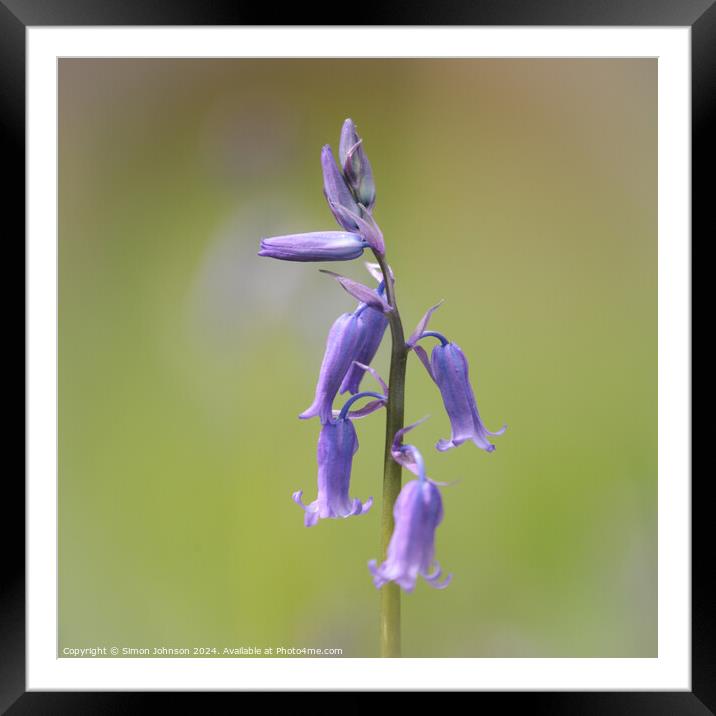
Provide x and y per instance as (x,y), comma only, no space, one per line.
(441,585)
(433,578)
(361,508)
(378,579)
(444,445)
(310,517)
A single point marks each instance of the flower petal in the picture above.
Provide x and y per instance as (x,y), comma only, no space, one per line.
(378,579)
(372,326)
(424,359)
(361,292)
(365,225)
(337,192)
(361,508)
(310,518)
(433,577)
(341,347)
(410,458)
(375,374)
(370,231)
(398,438)
(423,324)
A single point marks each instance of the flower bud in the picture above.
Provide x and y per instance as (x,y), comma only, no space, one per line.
(316,246)
(356,166)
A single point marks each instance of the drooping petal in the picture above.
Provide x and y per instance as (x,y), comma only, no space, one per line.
(341,348)
(314,246)
(372,326)
(422,325)
(358,290)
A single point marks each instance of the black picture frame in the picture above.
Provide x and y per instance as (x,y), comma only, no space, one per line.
(699,15)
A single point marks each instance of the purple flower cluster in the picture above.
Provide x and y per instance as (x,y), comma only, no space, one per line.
(352,343)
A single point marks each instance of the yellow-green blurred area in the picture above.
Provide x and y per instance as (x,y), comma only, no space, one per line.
(523,192)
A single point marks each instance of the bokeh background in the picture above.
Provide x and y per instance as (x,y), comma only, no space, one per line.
(521,191)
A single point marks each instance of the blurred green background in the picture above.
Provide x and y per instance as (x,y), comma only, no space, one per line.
(521,191)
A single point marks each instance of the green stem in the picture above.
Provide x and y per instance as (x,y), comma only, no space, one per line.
(395,409)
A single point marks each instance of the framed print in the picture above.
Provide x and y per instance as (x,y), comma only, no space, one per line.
(519,178)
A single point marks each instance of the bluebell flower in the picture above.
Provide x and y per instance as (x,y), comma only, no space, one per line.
(418,511)
(448,367)
(450,370)
(337,444)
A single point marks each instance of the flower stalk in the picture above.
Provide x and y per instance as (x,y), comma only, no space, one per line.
(392,482)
